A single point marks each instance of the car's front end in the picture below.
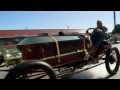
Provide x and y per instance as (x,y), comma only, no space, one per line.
(10,56)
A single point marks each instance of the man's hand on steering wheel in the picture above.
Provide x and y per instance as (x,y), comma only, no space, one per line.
(87,31)
(97,30)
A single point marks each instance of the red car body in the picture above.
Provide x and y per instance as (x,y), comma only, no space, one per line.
(55,50)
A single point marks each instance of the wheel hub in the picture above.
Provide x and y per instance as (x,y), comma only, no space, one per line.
(112,60)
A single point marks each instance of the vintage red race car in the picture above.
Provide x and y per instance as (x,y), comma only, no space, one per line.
(54,56)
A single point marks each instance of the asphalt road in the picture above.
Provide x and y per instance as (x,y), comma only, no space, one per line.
(98,72)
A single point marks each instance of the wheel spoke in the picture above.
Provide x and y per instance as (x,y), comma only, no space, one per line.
(33,74)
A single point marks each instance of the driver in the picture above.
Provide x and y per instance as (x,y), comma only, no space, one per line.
(98,35)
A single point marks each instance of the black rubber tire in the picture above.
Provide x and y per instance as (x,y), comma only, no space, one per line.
(107,61)
(19,69)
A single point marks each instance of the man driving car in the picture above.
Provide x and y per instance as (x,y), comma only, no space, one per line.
(97,36)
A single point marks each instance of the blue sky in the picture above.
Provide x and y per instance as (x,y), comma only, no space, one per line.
(56,19)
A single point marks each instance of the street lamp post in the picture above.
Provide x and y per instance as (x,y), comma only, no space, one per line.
(114,19)
(26,27)
(68,27)
(114,26)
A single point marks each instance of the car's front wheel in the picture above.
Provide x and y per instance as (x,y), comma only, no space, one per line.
(112,61)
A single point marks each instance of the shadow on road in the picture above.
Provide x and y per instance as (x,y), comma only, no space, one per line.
(98,72)
(88,75)
(107,77)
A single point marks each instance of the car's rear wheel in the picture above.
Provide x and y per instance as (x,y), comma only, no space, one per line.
(32,71)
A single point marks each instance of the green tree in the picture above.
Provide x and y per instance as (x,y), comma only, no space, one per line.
(116,29)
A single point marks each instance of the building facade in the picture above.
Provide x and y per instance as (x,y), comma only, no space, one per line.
(15,36)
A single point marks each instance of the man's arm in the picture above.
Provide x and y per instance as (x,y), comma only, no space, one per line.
(104,29)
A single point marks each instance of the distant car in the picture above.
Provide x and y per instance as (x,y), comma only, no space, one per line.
(115,38)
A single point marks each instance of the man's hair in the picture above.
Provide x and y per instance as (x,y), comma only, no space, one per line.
(98,21)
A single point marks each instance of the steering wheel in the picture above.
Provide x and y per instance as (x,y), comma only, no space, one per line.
(89,30)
